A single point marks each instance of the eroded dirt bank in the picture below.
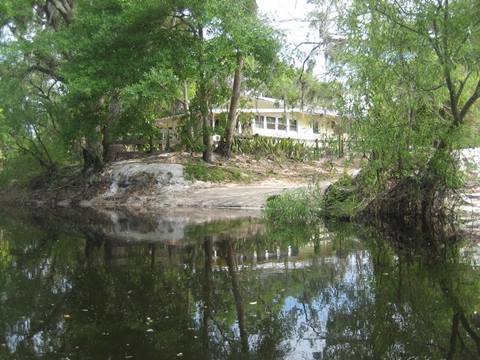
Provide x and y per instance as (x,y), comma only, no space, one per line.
(163,182)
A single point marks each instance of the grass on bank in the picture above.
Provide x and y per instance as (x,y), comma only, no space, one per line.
(301,206)
(213,173)
(306,206)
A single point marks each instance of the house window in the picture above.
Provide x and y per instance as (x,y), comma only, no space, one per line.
(282,123)
(293,125)
(270,123)
(259,122)
(315,127)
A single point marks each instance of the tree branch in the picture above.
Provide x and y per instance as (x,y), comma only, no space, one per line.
(401,24)
(46,71)
(473,98)
(315,48)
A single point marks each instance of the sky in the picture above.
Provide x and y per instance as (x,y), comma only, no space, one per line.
(291,16)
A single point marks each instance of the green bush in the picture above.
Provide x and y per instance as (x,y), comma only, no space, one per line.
(290,149)
(302,206)
(19,169)
(280,148)
(305,206)
(341,199)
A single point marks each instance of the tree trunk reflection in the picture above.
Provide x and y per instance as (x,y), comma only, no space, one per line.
(207,289)
(232,270)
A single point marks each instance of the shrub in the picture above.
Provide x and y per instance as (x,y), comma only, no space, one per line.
(300,206)
(280,148)
(341,199)
(19,169)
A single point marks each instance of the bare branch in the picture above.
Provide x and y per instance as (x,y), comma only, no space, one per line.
(306,43)
(472,99)
(462,84)
(310,54)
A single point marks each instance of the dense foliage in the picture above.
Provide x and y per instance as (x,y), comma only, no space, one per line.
(411,71)
(77,75)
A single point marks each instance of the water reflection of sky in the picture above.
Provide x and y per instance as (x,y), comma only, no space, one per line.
(352,272)
(312,341)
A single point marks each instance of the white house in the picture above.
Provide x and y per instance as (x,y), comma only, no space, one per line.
(268,117)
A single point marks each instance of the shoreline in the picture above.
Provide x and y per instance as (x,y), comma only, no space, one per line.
(158,184)
(149,188)
(165,181)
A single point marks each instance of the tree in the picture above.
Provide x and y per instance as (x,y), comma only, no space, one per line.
(29,123)
(127,54)
(186,41)
(31,84)
(412,73)
(86,73)
(254,44)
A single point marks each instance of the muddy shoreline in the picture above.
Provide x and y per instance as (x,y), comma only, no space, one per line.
(140,187)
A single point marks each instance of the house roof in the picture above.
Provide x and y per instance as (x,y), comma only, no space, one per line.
(262,104)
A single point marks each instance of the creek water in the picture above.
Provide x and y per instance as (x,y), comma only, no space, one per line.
(82,285)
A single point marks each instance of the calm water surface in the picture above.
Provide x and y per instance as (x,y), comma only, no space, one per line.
(114,286)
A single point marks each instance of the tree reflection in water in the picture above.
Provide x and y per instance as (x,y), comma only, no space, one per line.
(236,290)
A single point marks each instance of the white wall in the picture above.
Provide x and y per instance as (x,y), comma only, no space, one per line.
(304,129)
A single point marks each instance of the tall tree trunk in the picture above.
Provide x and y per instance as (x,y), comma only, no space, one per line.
(186,101)
(113,114)
(227,142)
(340,144)
(106,142)
(206,125)
(92,150)
(186,109)
(92,159)
(204,105)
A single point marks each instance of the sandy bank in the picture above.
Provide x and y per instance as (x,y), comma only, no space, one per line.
(146,185)
(138,186)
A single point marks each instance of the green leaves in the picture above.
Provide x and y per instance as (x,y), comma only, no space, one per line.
(410,68)
(112,67)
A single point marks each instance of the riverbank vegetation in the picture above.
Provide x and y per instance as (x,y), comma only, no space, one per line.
(412,83)
(296,207)
(211,173)
(423,74)
(340,201)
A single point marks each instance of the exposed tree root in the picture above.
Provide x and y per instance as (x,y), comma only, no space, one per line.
(413,203)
